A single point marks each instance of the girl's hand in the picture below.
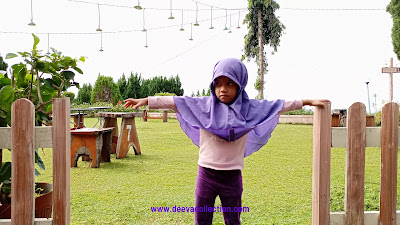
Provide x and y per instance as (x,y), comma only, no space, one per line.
(315,102)
(135,103)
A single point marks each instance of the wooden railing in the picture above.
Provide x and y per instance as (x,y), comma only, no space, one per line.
(22,138)
(355,137)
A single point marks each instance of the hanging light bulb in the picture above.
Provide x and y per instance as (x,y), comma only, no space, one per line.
(144,29)
(197,11)
(191,33)
(48,43)
(146,40)
(31,23)
(101,42)
(182,23)
(230,23)
(138,7)
(171,17)
(98,9)
(226,19)
(238,27)
(211,27)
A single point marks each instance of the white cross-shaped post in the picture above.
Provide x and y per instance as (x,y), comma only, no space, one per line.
(390,70)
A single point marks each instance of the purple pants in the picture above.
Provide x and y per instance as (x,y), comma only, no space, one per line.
(225,183)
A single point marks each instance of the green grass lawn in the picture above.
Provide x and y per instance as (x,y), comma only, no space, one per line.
(276,179)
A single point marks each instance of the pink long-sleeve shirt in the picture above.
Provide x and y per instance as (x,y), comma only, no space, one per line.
(216,153)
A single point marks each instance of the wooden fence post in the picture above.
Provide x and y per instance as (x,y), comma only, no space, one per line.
(388,190)
(321,164)
(61,161)
(355,164)
(165,115)
(23,171)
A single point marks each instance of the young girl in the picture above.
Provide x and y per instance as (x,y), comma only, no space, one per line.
(227,126)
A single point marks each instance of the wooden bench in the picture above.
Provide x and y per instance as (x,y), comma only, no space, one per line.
(164,117)
(94,142)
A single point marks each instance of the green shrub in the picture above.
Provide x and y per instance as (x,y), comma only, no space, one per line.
(164,94)
(70,95)
(300,112)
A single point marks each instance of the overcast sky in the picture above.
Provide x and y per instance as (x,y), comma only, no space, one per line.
(323,53)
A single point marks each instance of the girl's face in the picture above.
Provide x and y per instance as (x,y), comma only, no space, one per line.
(225,89)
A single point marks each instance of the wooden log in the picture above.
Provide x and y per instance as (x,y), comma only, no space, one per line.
(145,115)
(388,190)
(321,164)
(23,159)
(165,116)
(335,119)
(61,158)
(355,165)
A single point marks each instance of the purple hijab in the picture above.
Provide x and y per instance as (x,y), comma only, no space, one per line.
(258,118)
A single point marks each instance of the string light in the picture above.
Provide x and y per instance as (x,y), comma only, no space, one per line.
(182,23)
(138,7)
(238,27)
(106,32)
(191,33)
(101,42)
(226,19)
(98,9)
(146,40)
(31,23)
(144,29)
(171,17)
(242,9)
(197,11)
(211,27)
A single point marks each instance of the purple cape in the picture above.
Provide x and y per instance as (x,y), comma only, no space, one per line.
(230,122)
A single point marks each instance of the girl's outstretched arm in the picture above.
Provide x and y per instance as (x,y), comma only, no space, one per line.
(136,103)
(315,102)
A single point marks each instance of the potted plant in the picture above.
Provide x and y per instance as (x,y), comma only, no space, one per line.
(39,78)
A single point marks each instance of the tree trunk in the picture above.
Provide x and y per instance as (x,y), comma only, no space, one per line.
(260,54)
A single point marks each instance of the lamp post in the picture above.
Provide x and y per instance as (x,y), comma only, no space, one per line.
(369,106)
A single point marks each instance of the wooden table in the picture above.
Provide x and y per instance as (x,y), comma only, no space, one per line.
(99,118)
(78,117)
(127,136)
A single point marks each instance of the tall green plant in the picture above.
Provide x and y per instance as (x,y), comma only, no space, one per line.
(264,29)
(39,78)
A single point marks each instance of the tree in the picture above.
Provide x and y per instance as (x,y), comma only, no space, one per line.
(122,84)
(264,29)
(394,9)
(133,86)
(105,90)
(84,94)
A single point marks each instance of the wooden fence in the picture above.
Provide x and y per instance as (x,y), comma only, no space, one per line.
(355,137)
(23,137)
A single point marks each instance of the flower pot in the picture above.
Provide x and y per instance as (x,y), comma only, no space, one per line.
(43,203)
